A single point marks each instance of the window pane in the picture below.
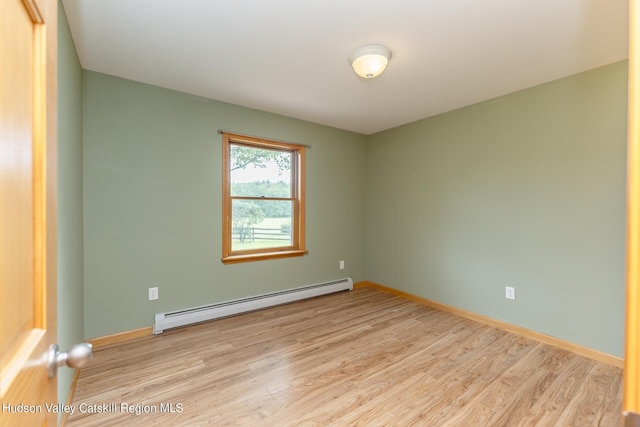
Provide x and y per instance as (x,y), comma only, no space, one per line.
(260,172)
(258,224)
(256,173)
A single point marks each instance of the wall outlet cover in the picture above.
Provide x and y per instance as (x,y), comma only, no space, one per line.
(510,293)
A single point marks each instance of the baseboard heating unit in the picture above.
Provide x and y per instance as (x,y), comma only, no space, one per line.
(189,316)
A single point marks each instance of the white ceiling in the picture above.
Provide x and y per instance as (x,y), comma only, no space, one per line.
(291,56)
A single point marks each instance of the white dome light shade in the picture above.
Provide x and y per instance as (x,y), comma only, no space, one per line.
(370,61)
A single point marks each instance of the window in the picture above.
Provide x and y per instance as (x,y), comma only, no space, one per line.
(263,199)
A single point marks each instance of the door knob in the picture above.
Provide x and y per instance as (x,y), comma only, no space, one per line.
(77,357)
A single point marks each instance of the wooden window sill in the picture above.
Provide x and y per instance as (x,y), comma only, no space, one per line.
(233,259)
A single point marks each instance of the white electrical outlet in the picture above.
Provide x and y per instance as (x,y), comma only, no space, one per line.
(341,265)
(153,294)
(510,293)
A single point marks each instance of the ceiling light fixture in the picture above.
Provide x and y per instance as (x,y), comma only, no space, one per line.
(370,61)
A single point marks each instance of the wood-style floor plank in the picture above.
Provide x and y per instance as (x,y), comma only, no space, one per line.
(360,358)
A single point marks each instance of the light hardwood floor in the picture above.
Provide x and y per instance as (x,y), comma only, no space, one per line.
(360,358)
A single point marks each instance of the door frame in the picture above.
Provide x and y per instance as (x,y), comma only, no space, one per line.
(631,396)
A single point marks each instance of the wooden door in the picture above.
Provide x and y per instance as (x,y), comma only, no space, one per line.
(631,400)
(27,209)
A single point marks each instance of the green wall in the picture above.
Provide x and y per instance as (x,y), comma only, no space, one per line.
(70,215)
(526,190)
(152,203)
